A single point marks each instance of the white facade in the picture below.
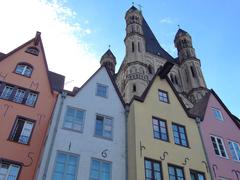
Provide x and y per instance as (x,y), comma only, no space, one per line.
(86,144)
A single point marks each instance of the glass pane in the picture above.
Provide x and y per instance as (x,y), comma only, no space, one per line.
(171,171)
(179,172)
(148,173)
(61,157)
(14,170)
(148,164)
(69,177)
(57,176)
(59,167)
(156,166)
(200,177)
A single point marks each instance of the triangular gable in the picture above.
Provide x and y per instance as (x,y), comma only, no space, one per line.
(48,73)
(75,90)
(159,72)
(234,118)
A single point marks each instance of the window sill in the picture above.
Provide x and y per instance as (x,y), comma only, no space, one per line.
(73,130)
(102,137)
(28,144)
(18,103)
(183,146)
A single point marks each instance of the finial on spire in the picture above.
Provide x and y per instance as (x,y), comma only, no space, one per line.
(133,3)
(178,26)
(109,46)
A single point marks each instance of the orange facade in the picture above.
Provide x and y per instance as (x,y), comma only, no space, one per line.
(28,93)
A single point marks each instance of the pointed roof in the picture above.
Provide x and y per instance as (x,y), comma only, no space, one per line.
(56,81)
(180,32)
(133,8)
(108,54)
(152,44)
(76,89)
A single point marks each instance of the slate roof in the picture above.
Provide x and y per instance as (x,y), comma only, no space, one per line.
(56,81)
(1,55)
(152,44)
(200,107)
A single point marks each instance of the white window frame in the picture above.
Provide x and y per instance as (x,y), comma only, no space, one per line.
(67,154)
(101,161)
(219,150)
(5,93)
(103,85)
(30,101)
(24,69)
(104,117)
(235,151)
(216,110)
(19,96)
(10,165)
(74,122)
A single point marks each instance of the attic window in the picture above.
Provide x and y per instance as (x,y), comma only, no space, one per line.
(32,50)
(24,69)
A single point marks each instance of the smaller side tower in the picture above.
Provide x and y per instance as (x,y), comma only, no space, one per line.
(109,61)
(193,82)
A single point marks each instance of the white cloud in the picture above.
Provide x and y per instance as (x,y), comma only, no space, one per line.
(66,53)
(167,20)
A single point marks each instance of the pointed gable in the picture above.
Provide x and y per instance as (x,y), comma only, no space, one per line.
(32,53)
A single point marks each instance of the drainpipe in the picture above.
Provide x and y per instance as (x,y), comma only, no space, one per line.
(198,121)
(63,96)
(126,138)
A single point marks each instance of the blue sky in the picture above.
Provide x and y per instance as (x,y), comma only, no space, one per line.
(87,27)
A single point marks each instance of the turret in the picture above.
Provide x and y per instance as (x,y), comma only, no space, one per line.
(109,61)
(183,43)
(190,67)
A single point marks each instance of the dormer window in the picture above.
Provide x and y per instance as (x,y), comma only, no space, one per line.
(24,69)
(32,50)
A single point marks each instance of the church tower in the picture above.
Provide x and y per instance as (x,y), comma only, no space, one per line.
(133,76)
(194,85)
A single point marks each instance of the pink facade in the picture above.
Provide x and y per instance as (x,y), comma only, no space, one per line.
(227,130)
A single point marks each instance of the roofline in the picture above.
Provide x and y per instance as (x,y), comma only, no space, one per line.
(74,93)
(142,98)
(233,117)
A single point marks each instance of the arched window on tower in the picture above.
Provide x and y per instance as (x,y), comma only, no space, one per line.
(192,70)
(134,88)
(139,47)
(132,46)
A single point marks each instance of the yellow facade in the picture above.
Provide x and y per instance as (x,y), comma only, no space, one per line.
(140,135)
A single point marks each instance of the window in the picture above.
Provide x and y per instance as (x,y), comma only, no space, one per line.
(100,170)
(153,170)
(217,114)
(18,97)
(139,47)
(134,88)
(22,131)
(24,70)
(235,150)
(175,172)
(8,171)
(33,50)
(218,146)
(132,46)
(192,70)
(31,99)
(101,90)
(65,166)
(103,126)
(74,119)
(195,175)
(179,134)
(7,92)
(163,96)
(160,129)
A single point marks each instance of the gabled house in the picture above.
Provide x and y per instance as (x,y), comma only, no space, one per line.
(28,93)
(163,138)
(87,138)
(221,137)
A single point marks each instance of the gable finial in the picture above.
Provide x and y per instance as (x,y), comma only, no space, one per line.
(133,3)
(178,26)
(109,46)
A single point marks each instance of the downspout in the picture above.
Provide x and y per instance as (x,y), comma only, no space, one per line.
(63,96)
(126,139)
(198,121)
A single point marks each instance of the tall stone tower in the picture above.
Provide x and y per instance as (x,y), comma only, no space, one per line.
(133,77)
(193,82)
